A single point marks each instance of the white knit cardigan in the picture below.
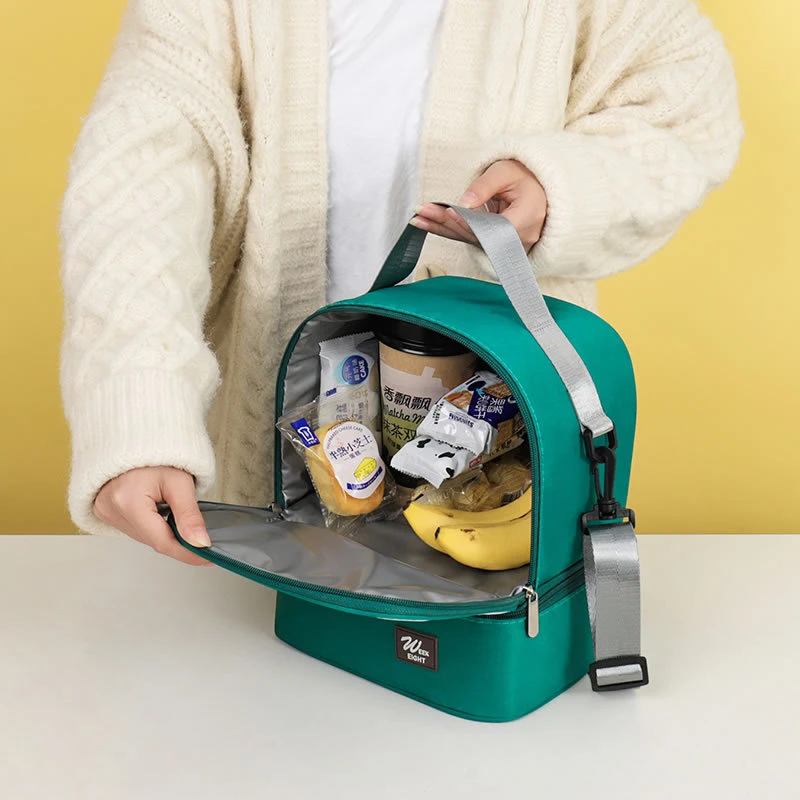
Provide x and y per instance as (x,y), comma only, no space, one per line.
(194,223)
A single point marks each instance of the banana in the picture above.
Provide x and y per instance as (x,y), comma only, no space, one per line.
(506,545)
(426,520)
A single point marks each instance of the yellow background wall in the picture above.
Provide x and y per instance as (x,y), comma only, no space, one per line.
(712,321)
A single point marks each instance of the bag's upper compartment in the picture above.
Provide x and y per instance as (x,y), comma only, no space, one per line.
(479,315)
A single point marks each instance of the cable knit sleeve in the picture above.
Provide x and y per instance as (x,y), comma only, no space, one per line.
(155,196)
(652,126)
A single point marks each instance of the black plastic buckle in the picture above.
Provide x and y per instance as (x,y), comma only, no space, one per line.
(598,515)
(618,661)
(593,452)
(607,507)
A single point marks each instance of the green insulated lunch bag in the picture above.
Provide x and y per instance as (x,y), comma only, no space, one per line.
(379,602)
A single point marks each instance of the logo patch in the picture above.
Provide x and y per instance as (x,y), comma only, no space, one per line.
(305,432)
(417,648)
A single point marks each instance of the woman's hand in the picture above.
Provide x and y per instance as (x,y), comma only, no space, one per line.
(128,503)
(507,188)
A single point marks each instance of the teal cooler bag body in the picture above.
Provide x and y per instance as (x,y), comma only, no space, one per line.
(380,603)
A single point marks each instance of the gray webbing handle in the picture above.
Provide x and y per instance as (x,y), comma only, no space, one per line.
(505,251)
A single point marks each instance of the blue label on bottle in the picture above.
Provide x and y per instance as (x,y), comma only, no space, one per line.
(305,432)
(355,370)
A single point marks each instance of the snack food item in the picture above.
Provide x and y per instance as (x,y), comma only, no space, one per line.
(347,469)
(417,367)
(450,424)
(418,459)
(480,414)
(510,476)
(348,403)
(430,460)
(345,465)
(493,485)
(446,495)
(349,383)
(477,495)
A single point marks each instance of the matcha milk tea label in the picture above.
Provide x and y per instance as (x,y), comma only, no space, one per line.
(407,399)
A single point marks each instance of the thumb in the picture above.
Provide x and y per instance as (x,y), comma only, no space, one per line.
(496,179)
(178,491)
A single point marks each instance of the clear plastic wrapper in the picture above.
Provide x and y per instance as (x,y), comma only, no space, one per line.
(349,381)
(345,465)
(491,486)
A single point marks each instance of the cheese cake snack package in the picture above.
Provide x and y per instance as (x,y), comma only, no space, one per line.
(344,462)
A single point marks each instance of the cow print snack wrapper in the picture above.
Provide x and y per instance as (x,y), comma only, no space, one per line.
(431,460)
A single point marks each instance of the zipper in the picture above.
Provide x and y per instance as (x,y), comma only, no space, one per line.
(559,587)
(477,349)
(532,612)
(511,607)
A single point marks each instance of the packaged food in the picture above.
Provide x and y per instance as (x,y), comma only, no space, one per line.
(466,490)
(488,487)
(348,403)
(349,381)
(431,460)
(484,398)
(445,495)
(345,464)
(510,477)
(480,418)
(449,424)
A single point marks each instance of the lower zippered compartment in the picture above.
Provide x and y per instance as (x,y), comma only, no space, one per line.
(483,668)
(316,564)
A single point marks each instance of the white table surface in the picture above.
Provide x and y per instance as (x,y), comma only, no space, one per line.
(125,675)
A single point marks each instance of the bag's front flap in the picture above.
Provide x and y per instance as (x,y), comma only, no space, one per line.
(265,547)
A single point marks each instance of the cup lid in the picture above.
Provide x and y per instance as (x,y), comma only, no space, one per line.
(410,338)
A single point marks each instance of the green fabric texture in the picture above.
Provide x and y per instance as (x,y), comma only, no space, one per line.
(489,669)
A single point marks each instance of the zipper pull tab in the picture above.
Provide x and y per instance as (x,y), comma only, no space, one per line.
(533,612)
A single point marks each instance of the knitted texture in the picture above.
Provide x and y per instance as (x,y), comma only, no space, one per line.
(194,223)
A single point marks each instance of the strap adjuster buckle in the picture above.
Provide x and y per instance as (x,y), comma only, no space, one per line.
(619,672)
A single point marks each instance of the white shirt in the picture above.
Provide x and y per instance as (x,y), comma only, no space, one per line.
(381,52)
